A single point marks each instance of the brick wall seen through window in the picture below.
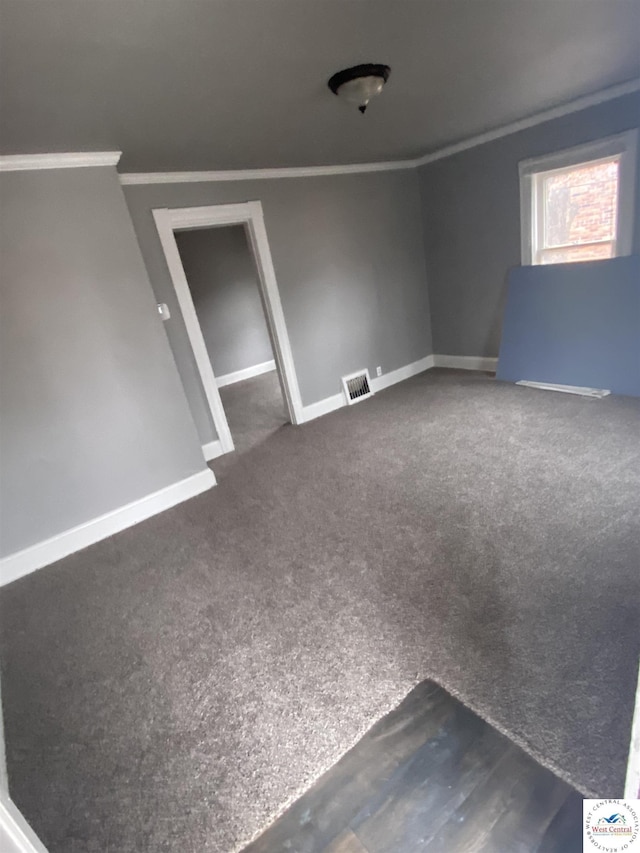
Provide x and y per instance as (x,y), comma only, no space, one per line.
(577,213)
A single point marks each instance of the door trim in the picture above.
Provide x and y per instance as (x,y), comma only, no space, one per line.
(14,827)
(249,214)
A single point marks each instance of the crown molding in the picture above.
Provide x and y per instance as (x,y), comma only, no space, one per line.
(24,162)
(576,105)
(261,174)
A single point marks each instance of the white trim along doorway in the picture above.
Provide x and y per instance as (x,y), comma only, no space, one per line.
(249,214)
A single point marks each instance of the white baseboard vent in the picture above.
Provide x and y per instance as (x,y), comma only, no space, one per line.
(357,386)
(37,556)
(597,393)
(377,383)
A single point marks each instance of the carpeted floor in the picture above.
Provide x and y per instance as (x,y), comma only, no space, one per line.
(174,687)
(255,410)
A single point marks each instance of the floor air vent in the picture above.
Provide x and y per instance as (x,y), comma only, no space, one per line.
(357,386)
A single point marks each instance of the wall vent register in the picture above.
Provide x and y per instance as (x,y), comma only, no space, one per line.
(357,386)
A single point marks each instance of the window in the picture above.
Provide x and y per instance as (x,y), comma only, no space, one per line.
(577,205)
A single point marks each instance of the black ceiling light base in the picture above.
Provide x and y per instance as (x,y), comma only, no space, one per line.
(362,87)
(369,69)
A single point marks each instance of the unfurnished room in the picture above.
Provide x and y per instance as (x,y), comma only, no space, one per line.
(319,426)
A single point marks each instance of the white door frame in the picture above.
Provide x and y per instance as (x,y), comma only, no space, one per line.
(16,836)
(632,783)
(15,829)
(249,214)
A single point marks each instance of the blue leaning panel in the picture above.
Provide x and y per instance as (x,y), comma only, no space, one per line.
(574,324)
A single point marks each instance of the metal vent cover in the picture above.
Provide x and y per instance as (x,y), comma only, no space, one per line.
(357,386)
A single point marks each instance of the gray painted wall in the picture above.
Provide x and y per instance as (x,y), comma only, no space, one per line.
(224,286)
(349,259)
(93,412)
(471,218)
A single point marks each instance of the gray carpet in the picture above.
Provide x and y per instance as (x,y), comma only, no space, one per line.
(174,687)
(255,410)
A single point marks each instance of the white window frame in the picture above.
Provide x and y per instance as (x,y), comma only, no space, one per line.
(623,146)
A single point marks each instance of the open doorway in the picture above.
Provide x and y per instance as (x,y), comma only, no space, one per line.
(249,392)
(224,288)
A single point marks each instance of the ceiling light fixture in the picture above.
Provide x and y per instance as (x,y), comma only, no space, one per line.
(359,84)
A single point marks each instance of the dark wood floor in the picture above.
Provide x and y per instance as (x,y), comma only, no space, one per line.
(431,776)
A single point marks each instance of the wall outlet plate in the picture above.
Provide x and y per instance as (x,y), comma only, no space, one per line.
(163,310)
(378,371)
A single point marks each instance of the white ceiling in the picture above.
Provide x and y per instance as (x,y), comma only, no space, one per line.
(234,84)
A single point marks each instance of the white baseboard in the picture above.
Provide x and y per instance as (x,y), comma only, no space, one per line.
(466,362)
(337,401)
(246,373)
(378,383)
(323,407)
(212,450)
(402,373)
(36,556)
